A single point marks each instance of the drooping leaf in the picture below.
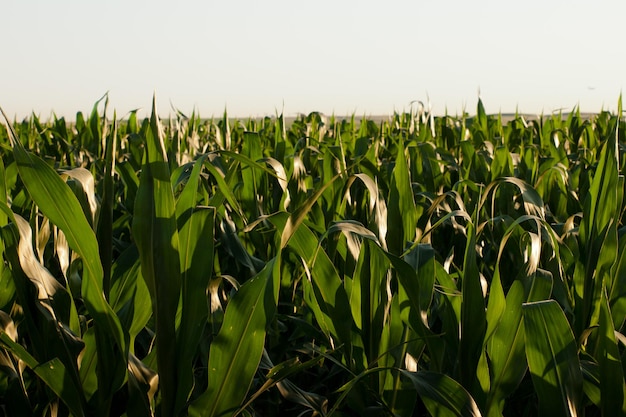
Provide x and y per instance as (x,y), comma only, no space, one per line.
(442,395)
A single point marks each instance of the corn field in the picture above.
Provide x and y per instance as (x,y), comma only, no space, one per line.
(421,265)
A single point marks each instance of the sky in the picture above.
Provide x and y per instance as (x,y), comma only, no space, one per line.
(342,57)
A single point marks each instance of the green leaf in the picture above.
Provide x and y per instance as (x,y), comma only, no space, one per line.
(422,258)
(196,244)
(442,395)
(225,184)
(553,359)
(130,297)
(496,304)
(400,347)
(323,288)
(591,381)
(612,386)
(473,315)
(368,298)
(617,291)
(418,284)
(502,164)
(482,121)
(297,217)
(505,350)
(402,216)
(88,362)
(533,204)
(142,387)
(236,351)
(52,373)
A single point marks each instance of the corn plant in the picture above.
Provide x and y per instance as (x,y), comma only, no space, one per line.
(419,265)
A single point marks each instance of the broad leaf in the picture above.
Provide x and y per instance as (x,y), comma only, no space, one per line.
(553,359)
(236,351)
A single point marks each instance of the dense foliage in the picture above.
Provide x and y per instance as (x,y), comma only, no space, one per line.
(446,266)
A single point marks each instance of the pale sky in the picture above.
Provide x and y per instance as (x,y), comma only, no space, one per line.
(257,58)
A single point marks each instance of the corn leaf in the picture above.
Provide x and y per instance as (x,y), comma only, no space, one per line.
(442,395)
(612,386)
(402,216)
(473,315)
(53,373)
(196,250)
(552,359)
(506,352)
(236,351)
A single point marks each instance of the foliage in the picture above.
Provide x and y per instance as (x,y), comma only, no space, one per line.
(421,265)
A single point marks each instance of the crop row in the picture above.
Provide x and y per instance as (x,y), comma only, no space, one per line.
(451,266)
